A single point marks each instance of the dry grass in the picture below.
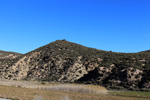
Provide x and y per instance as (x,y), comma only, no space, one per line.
(38,97)
(77,88)
(65,98)
(57,86)
(32,93)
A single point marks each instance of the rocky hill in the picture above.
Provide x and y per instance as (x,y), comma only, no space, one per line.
(7,56)
(63,61)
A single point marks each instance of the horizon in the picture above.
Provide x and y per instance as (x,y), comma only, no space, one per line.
(75,43)
(112,25)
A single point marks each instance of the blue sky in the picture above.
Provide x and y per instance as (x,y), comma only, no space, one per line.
(117,25)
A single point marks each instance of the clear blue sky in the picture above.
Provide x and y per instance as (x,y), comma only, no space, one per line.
(117,25)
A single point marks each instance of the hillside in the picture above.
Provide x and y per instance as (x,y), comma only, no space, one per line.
(63,61)
(147,51)
(7,56)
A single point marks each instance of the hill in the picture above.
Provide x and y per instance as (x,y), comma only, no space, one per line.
(147,51)
(6,56)
(63,61)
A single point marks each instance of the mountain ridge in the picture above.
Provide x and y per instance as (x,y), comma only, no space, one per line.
(144,51)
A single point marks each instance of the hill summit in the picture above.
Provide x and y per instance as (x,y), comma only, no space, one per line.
(63,61)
